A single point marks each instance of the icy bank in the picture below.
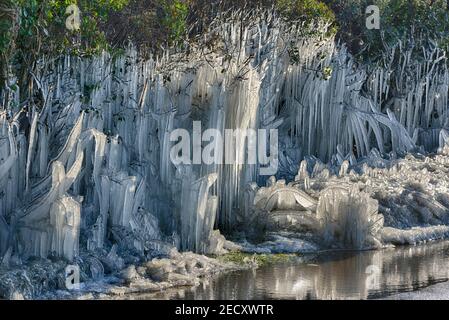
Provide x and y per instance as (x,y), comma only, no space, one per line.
(86,170)
(415,235)
(47,280)
(376,202)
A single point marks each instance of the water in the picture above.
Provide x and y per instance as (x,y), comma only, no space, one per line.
(338,275)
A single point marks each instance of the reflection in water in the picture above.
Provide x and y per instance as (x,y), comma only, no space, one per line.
(338,275)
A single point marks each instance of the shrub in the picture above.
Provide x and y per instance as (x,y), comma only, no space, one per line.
(412,21)
(348,218)
(175,18)
(305,10)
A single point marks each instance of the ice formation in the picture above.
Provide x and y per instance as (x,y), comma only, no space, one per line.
(90,169)
(349,216)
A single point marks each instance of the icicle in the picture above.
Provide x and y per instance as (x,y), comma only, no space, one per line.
(65,218)
(31,145)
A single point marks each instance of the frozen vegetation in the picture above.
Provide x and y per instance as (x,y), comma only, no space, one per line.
(87,178)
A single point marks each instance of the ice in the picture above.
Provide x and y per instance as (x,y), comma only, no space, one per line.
(199,210)
(280,244)
(349,217)
(65,219)
(414,235)
(4,236)
(91,172)
(443,141)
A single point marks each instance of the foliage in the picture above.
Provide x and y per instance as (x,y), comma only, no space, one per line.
(42,22)
(94,15)
(42,25)
(414,22)
(175,18)
(146,23)
(415,19)
(259,260)
(8,33)
(29,28)
(305,10)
